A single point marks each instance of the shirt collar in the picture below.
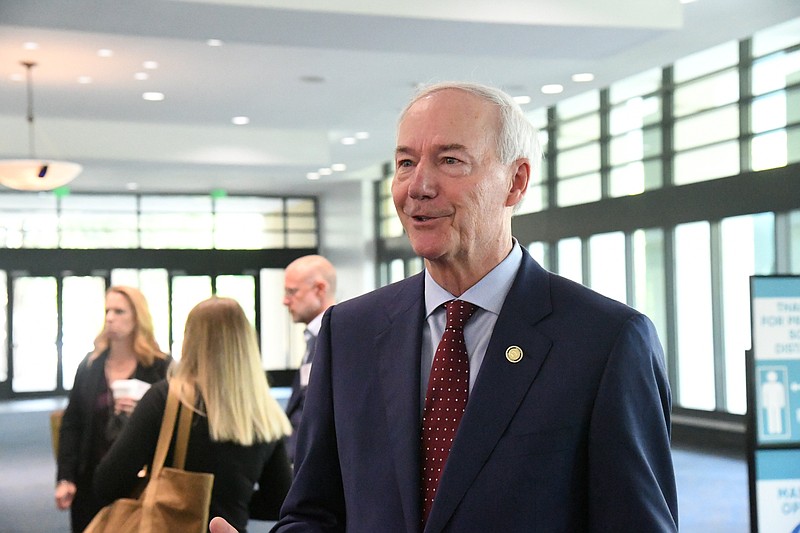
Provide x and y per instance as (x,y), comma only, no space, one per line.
(489,293)
(314,326)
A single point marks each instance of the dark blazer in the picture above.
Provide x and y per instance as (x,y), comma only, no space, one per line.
(574,437)
(294,406)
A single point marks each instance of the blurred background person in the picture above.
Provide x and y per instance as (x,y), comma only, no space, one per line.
(124,349)
(309,290)
(238,428)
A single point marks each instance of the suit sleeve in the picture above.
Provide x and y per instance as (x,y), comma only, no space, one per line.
(315,502)
(631,477)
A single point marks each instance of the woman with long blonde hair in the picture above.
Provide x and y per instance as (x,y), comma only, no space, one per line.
(238,428)
(124,349)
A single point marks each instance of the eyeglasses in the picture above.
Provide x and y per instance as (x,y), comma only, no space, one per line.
(289,293)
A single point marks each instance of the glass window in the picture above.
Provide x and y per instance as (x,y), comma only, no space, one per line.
(707,93)
(769,112)
(578,160)
(243,290)
(535,200)
(538,117)
(538,251)
(710,127)
(769,150)
(635,114)
(635,146)
(83,311)
(747,249)
(707,61)
(3,326)
(794,242)
(578,105)
(717,161)
(607,265)
(695,349)
(776,38)
(776,72)
(635,178)
(649,279)
(570,262)
(579,190)
(98,221)
(639,85)
(578,131)
(34,333)
(397,270)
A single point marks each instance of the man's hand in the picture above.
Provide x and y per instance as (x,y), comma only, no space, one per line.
(220,525)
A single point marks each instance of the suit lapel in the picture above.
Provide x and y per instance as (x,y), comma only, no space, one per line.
(398,348)
(499,388)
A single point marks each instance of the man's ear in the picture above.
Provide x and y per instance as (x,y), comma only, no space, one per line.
(521,169)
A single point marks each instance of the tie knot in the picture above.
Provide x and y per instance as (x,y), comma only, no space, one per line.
(458,312)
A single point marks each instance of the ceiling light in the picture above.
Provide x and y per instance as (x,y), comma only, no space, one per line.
(522,100)
(361,135)
(553,88)
(338,167)
(153,96)
(325,172)
(687,1)
(36,174)
(240,121)
(312,176)
(83,80)
(150,65)
(17,77)
(214,42)
(348,140)
(105,52)
(132,186)
(30,45)
(141,76)
(583,77)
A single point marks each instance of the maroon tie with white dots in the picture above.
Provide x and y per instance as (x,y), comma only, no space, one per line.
(445,401)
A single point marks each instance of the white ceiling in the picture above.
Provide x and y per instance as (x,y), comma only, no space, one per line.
(307,73)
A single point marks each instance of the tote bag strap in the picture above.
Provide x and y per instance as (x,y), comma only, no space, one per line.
(168,427)
(184,427)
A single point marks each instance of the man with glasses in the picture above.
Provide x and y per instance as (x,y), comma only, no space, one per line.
(309,289)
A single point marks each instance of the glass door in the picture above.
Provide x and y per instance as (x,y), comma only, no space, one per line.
(83,314)
(34,334)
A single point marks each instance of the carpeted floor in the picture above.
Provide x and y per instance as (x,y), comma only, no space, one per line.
(712,489)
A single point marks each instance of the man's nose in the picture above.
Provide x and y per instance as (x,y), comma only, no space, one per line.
(423,181)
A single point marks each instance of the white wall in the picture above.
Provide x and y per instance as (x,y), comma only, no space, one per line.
(347,236)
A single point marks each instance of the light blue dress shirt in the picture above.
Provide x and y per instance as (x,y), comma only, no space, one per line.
(488,294)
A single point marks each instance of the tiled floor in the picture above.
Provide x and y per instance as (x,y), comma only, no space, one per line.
(712,489)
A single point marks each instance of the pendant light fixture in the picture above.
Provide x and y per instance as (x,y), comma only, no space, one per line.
(35,174)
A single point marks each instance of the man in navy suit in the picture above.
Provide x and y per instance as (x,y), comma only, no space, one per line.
(567,423)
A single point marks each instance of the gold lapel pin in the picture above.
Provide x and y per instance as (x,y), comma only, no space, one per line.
(514,354)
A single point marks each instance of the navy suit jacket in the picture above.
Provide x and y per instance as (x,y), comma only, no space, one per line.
(574,437)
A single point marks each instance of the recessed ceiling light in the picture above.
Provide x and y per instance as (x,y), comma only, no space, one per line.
(583,77)
(105,52)
(214,42)
(17,77)
(338,167)
(325,172)
(553,88)
(153,96)
(132,186)
(240,121)
(150,65)
(84,80)
(312,176)
(522,100)
(30,45)
(141,76)
(349,140)
(361,135)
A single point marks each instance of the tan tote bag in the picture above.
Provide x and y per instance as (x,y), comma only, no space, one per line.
(174,500)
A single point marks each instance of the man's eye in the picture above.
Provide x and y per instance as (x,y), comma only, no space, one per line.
(450,160)
(404,163)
